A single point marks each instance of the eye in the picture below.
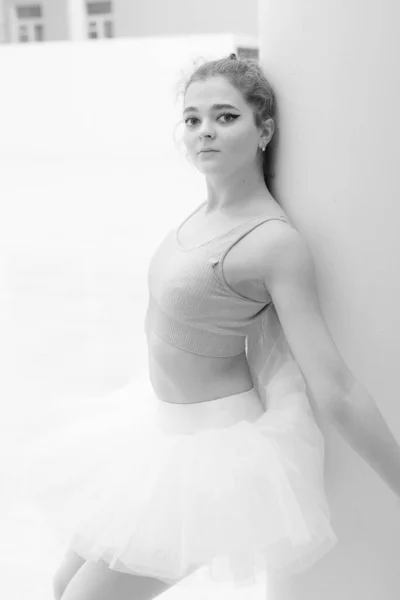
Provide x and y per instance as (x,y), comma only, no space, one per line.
(229,115)
(190,119)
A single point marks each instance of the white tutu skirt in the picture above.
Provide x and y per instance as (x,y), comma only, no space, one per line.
(161,489)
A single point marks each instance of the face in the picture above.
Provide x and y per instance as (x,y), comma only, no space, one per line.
(229,130)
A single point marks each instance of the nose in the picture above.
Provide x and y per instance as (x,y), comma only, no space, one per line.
(206,130)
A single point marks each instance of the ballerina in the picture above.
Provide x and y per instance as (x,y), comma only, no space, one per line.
(216,464)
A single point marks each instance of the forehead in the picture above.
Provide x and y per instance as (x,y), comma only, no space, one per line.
(215,90)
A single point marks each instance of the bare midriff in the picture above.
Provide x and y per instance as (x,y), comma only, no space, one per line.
(182,377)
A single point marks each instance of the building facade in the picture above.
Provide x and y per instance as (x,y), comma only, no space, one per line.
(35,21)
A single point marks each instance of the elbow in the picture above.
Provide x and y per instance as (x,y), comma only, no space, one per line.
(335,407)
(335,410)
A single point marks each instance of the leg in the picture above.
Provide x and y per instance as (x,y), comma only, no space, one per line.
(96,581)
(70,565)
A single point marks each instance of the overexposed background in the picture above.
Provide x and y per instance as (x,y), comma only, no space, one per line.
(91,179)
(89,159)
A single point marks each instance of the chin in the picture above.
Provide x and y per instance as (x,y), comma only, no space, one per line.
(209,169)
(210,166)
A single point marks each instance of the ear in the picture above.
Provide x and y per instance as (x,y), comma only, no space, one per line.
(267,131)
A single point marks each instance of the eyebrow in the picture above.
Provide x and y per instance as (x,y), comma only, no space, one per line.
(214,107)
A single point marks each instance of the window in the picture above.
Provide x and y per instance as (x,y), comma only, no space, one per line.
(39,32)
(23,34)
(247,52)
(93,34)
(28,23)
(100,21)
(34,11)
(108,29)
(99,8)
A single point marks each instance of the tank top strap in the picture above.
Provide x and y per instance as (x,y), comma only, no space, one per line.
(226,241)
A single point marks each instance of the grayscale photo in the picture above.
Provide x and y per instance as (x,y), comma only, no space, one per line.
(199,292)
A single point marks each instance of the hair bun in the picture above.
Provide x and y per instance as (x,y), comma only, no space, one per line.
(233,56)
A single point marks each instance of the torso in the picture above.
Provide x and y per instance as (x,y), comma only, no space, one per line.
(179,376)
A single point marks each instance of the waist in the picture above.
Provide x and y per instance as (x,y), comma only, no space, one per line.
(179,376)
(214,414)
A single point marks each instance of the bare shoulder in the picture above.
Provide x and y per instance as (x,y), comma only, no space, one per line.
(284,248)
(278,248)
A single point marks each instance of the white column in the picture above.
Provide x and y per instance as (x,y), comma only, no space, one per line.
(76,10)
(334,67)
(3,27)
(6,19)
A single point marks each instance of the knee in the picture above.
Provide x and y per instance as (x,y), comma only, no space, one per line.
(58,587)
(70,565)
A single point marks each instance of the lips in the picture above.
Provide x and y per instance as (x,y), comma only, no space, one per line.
(208,150)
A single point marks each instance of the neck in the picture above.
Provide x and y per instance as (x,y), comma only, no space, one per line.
(231,193)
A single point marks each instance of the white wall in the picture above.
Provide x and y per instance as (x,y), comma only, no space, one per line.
(334,66)
(90,181)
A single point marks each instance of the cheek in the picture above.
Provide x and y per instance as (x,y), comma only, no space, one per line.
(240,141)
(189,139)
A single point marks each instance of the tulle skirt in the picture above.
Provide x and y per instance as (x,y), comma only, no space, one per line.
(162,489)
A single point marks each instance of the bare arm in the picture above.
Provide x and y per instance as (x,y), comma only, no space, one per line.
(289,276)
(358,419)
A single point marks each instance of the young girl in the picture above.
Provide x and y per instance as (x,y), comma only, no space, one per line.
(215,466)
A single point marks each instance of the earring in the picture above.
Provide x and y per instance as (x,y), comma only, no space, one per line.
(263,147)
